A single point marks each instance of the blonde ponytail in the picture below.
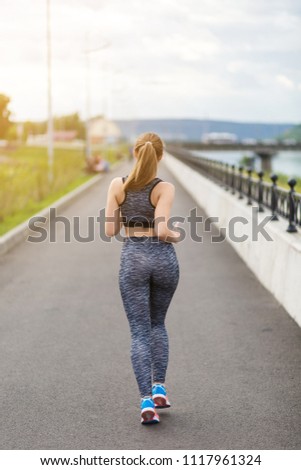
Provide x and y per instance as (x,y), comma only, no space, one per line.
(148,150)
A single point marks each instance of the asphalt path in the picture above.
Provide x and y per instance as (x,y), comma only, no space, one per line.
(233,379)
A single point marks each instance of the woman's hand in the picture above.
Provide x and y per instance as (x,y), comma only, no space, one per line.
(173,235)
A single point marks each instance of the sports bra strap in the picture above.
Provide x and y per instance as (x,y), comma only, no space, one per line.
(156,181)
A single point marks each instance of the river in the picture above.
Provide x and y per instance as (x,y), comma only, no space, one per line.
(285,161)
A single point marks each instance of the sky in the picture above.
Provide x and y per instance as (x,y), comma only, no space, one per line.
(214,59)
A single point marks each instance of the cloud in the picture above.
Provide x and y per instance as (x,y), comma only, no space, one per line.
(166,58)
(285,82)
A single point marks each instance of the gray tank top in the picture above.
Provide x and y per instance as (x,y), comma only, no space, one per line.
(137,209)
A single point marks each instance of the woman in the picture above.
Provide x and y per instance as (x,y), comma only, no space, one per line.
(149,270)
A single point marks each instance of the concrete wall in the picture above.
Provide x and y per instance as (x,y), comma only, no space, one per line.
(276,263)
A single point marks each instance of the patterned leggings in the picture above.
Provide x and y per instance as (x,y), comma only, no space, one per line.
(148,277)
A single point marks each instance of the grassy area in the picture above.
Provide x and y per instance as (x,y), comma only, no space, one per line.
(24,185)
(19,216)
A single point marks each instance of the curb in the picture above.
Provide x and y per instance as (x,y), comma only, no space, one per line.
(18,234)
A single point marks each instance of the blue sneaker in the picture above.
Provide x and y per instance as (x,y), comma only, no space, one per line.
(148,412)
(159,396)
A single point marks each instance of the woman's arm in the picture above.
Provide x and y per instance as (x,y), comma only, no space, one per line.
(113,222)
(162,214)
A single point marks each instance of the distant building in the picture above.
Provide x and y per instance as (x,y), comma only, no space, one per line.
(269,141)
(64,136)
(249,141)
(58,136)
(289,141)
(219,138)
(103,130)
(37,139)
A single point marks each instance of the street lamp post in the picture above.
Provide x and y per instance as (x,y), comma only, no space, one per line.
(88,145)
(50,118)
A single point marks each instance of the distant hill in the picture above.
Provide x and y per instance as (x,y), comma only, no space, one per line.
(293,133)
(193,129)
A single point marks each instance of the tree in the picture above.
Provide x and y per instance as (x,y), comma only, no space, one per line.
(70,122)
(292,133)
(5,122)
(33,128)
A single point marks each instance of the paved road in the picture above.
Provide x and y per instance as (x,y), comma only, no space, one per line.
(66,380)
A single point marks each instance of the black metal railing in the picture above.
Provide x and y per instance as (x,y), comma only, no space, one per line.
(280,201)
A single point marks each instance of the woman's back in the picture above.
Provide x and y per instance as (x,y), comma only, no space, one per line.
(137,208)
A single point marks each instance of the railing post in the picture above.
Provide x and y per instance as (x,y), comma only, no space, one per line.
(221,173)
(260,191)
(214,169)
(291,202)
(249,201)
(274,197)
(208,170)
(233,179)
(227,180)
(240,169)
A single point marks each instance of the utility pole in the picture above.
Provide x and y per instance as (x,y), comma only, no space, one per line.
(50,118)
(88,144)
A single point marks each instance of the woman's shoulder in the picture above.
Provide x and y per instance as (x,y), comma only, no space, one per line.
(116,185)
(164,189)
(117,181)
(166,185)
